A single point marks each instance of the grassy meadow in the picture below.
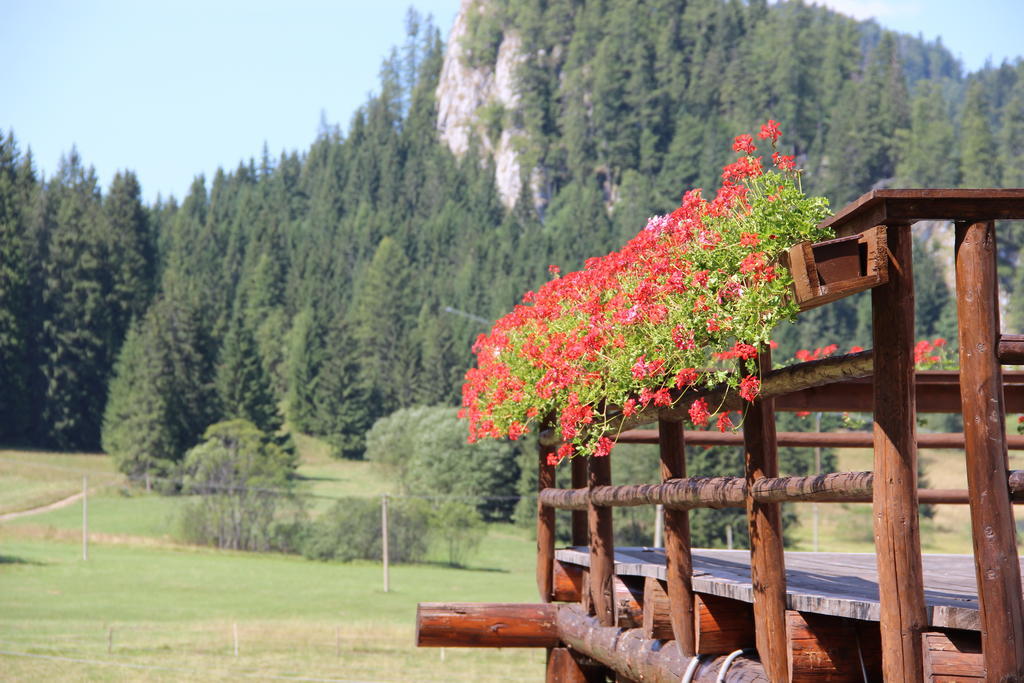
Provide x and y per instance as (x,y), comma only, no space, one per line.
(146,607)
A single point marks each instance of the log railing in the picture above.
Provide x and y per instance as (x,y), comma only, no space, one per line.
(882,382)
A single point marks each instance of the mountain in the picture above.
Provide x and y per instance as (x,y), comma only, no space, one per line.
(349,280)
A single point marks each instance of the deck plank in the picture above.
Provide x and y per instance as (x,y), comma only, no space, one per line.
(839,584)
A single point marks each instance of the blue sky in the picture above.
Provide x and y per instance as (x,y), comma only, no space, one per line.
(174,89)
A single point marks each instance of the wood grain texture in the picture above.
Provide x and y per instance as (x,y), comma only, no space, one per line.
(602,544)
(545,525)
(839,584)
(679,565)
(824,648)
(952,656)
(723,625)
(579,517)
(467,624)
(567,582)
(895,505)
(903,207)
(767,563)
(564,666)
(629,595)
(835,269)
(633,657)
(992,522)
(657,618)
(810,439)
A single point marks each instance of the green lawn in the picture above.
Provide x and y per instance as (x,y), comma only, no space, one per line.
(177,608)
(32,478)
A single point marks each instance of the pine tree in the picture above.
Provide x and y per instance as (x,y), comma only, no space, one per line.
(242,384)
(980,159)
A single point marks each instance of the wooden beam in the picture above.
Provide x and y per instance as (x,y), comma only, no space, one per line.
(629,595)
(810,439)
(723,625)
(1011,349)
(836,487)
(953,656)
(992,523)
(898,208)
(545,524)
(897,532)
(827,648)
(579,517)
(657,618)
(715,492)
(565,666)
(602,544)
(636,658)
(767,564)
(678,563)
(567,582)
(468,624)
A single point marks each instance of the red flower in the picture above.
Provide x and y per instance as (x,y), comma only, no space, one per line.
(785,163)
(744,143)
(516,430)
(750,387)
(699,414)
(554,270)
(749,239)
(604,447)
(724,423)
(662,397)
(685,377)
(629,407)
(770,131)
(856,349)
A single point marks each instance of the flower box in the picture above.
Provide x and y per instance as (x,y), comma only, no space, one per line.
(827,271)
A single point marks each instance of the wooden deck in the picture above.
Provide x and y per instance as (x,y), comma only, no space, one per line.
(838,584)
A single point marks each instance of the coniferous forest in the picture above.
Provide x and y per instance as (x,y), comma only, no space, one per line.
(332,286)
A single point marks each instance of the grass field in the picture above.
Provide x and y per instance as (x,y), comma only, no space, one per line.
(145,607)
(169,611)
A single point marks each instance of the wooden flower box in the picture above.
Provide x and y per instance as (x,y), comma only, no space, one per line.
(826,271)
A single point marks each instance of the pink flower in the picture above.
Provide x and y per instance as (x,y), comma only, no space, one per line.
(604,447)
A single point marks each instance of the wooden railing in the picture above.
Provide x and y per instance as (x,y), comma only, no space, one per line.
(883,382)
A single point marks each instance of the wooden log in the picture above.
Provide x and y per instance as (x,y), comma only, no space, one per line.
(602,545)
(902,207)
(840,486)
(567,582)
(636,658)
(713,492)
(629,595)
(778,382)
(678,562)
(545,524)
(586,601)
(468,624)
(1011,349)
(952,656)
(827,648)
(767,564)
(565,666)
(579,517)
(809,439)
(657,619)
(897,533)
(992,524)
(723,625)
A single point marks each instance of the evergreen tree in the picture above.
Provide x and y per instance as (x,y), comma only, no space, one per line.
(980,159)
(242,384)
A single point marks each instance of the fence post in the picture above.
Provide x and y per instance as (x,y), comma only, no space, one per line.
(384,540)
(678,561)
(85,517)
(602,544)
(545,522)
(895,504)
(981,389)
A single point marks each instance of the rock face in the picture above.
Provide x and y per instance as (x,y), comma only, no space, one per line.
(464,92)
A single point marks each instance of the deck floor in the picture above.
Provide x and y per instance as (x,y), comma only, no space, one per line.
(840,584)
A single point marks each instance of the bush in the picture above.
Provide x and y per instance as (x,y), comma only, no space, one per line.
(351,530)
(460,530)
(241,485)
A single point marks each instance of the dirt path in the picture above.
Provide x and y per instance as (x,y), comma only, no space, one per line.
(44,508)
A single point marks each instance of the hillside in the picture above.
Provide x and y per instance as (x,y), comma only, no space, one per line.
(348,280)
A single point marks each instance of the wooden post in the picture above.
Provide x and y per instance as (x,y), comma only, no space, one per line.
(897,534)
(545,525)
(657,616)
(602,545)
(85,517)
(384,541)
(678,562)
(981,390)
(579,517)
(767,563)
